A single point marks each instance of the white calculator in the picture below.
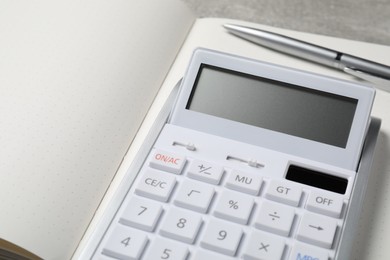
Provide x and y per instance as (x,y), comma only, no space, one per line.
(255,161)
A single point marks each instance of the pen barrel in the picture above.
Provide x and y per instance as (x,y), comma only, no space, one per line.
(367,66)
(308,52)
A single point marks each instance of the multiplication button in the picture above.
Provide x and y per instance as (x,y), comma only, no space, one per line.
(264,246)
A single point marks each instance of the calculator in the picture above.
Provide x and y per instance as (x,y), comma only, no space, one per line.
(251,161)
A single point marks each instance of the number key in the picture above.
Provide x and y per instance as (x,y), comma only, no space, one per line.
(221,237)
(166,249)
(125,243)
(181,225)
(141,213)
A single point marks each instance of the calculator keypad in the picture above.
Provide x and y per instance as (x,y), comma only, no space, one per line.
(187,208)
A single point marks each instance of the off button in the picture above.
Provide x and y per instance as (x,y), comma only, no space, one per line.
(325,203)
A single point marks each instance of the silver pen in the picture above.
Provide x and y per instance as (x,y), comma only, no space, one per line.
(377,73)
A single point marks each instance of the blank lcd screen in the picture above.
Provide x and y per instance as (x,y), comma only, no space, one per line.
(278,106)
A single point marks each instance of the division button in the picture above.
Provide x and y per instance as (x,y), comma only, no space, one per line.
(275,218)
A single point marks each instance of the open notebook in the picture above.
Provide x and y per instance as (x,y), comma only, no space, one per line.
(80,85)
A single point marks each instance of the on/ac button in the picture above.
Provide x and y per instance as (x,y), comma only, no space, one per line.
(165,161)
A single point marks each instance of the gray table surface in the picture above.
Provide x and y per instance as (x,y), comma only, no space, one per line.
(363,20)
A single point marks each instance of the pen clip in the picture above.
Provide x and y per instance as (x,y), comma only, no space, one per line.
(381,83)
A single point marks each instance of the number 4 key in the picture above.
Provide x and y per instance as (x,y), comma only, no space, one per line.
(125,243)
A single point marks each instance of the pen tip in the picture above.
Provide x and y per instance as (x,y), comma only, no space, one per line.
(231,27)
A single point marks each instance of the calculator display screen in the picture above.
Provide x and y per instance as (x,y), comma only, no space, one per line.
(273,105)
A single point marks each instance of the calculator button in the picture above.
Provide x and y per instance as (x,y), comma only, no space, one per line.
(275,218)
(303,251)
(207,255)
(141,213)
(234,206)
(284,192)
(166,249)
(325,203)
(125,243)
(221,237)
(244,182)
(181,225)
(263,246)
(205,171)
(195,196)
(317,230)
(156,185)
(165,161)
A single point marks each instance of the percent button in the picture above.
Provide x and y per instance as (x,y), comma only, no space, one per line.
(234,206)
